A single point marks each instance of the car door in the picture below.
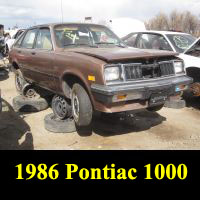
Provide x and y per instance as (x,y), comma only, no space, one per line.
(43,58)
(153,41)
(24,52)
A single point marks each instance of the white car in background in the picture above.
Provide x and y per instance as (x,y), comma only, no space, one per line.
(124,25)
(14,37)
(185,44)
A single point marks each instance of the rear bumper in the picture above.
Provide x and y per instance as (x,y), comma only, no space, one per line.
(140,90)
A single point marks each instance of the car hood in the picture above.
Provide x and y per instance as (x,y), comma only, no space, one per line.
(119,54)
(192,46)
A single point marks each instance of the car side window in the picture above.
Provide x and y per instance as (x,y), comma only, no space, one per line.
(17,35)
(44,39)
(153,41)
(18,42)
(29,39)
(131,41)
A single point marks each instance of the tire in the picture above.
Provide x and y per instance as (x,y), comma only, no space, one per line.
(194,73)
(175,104)
(61,107)
(55,125)
(155,108)
(29,105)
(20,82)
(82,110)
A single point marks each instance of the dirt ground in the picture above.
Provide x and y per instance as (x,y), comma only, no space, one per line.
(166,129)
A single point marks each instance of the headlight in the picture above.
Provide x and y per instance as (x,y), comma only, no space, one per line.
(112,73)
(179,67)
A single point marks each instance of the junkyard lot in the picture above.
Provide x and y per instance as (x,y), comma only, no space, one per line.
(167,129)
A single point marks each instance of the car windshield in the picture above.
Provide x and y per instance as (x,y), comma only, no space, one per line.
(74,35)
(181,42)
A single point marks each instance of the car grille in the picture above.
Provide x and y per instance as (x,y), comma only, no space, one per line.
(147,71)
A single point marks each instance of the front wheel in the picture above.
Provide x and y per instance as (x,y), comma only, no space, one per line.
(82,110)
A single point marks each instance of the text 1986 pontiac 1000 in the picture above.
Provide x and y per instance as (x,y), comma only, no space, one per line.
(88,68)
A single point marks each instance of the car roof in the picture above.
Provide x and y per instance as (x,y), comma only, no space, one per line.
(67,23)
(163,32)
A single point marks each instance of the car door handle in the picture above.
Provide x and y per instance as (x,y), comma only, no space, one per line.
(33,53)
(19,51)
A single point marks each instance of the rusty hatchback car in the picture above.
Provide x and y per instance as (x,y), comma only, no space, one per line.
(89,69)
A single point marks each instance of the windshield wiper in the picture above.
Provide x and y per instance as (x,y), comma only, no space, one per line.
(80,45)
(104,43)
(119,45)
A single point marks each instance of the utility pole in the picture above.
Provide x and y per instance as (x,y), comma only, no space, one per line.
(61,4)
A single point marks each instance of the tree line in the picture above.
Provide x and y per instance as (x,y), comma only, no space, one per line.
(176,21)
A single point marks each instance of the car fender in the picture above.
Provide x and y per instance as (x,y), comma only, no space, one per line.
(80,76)
(10,43)
(190,60)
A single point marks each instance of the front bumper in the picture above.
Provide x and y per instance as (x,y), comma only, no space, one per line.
(140,90)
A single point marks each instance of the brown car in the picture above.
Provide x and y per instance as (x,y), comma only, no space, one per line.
(89,68)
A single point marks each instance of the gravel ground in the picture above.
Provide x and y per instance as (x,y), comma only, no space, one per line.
(166,129)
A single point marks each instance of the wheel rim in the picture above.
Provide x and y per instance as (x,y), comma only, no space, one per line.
(75,107)
(31,93)
(18,82)
(60,107)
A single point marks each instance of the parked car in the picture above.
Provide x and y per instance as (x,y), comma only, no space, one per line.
(89,68)
(11,41)
(2,48)
(0,102)
(2,42)
(185,44)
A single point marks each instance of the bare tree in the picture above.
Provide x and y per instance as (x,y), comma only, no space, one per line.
(179,21)
(191,22)
(159,22)
(175,20)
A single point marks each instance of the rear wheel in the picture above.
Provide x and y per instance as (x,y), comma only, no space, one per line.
(82,110)
(20,82)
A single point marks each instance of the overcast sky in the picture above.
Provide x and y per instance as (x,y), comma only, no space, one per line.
(26,13)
